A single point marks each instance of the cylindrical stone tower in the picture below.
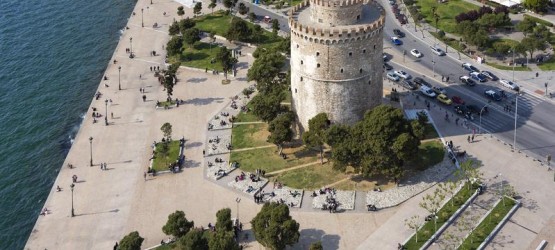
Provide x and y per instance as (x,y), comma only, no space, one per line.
(336,59)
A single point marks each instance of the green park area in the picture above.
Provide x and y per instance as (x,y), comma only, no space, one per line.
(200,55)
(269,160)
(493,219)
(548,65)
(250,135)
(446,12)
(163,158)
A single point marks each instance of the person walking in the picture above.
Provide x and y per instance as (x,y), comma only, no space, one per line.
(144,175)
(468,139)
(472,138)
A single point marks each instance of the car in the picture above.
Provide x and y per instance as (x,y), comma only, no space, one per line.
(509,84)
(469,67)
(478,76)
(475,110)
(457,100)
(466,80)
(439,90)
(492,94)
(422,82)
(408,84)
(385,57)
(395,40)
(398,33)
(415,53)
(403,74)
(462,110)
(392,76)
(444,99)
(437,51)
(386,66)
(489,75)
(427,91)
(402,19)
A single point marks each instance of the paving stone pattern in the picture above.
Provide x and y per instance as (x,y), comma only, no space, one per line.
(289,196)
(219,169)
(346,199)
(218,145)
(248,186)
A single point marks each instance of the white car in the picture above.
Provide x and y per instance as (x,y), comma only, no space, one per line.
(402,74)
(427,91)
(392,76)
(509,84)
(416,53)
(437,51)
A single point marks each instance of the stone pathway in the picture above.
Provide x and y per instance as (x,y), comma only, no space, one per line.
(290,196)
(293,168)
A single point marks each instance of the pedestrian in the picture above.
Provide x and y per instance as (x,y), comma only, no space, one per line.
(116,246)
(447,79)
(140,76)
(112,115)
(537,74)
(151,68)
(472,138)
(144,175)
(101,166)
(203,152)
(144,98)
(158,67)
(457,121)
(442,78)
(468,139)
(74,177)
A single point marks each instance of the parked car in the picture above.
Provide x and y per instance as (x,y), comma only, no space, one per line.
(427,91)
(439,90)
(385,57)
(509,84)
(466,80)
(492,94)
(415,53)
(392,76)
(395,40)
(444,99)
(402,19)
(462,110)
(437,51)
(408,84)
(398,33)
(489,75)
(386,66)
(403,74)
(478,76)
(422,82)
(469,67)
(457,100)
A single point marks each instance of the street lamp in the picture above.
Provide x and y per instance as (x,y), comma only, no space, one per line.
(237,200)
(513,64)
(502,190)
(516,115)
(434,63)
(131,47)
(546,88)
(72,211)
(90,142)
(119,77)
(142,19)
(106,114)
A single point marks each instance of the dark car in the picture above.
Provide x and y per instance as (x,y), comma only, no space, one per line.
(469,67)
(475,110)
(421,82)
(492,94)
(489,75)
(462,110)
(398,33)
(408,85)
(402,19)
(466,80)
(457,100)
(387,66)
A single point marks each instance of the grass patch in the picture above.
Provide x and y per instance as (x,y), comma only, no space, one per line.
(268,159)
(488,224)
(446,12)
(548,65)
(162,104)
(249,135)
(430,154)
(444,213)
(538,20)
(199,56)
(247,116)
(504,67)
(364,184)
(311,177)
(160,162)
(167,246)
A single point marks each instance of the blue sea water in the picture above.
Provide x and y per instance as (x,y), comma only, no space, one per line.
(52,56)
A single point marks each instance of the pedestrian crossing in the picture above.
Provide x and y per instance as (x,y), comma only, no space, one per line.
(497,121)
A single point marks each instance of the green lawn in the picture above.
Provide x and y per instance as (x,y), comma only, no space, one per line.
(199,56)
(446,12)
(160,162)
(430,153)
(268,159)
(247,116)
(249,135)
(506,67)
(488,224)
(548,65)
(443,215)
(311,177)
(167,246)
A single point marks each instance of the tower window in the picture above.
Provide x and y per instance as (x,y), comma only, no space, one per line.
(369,82)
(360,71)
(358,17)
(363,51)
(374,46)
(318,65)
(341,70)
(317,53)
(350,53)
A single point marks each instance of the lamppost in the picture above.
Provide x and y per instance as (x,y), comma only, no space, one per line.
(106,114)
(434,63)
(502,190)
(513,64)
(404,53)
(131,47)
(481,111)
(516,115)
(237,200)
(72,211)
(90,142)
(142,19)
(119,77)
(546,89)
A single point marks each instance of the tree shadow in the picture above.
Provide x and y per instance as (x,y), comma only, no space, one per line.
(101,212)
(242,65)
(311,235)
(203,101)
(196,80)
(193,144)
(191,164)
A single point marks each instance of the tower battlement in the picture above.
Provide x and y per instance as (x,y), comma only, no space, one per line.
(330,3)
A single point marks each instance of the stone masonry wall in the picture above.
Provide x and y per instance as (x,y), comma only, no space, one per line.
(336,14)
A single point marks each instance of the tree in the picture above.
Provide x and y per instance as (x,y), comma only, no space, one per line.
(432,203)
(315,136)
(449,188)
(191,36)
(275,26)
(238,31)
(212,5)
(223,220)
(526,26)
(228,4)
(174,45)
(247,92)
(167,131)
(536,5)
(226,60)
(274,228)
(180,11)
(252,17)
(174,29)
(490,20)
(267,106)
(265,69)
(414,223)
(316,246)
(193,240)
(243,9)
(132,241)
(469,172)
(177,225)
(185,24)
(223,238)
(197,9)
(532,44)
(280,129)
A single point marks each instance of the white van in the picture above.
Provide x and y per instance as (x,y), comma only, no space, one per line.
(427,91)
